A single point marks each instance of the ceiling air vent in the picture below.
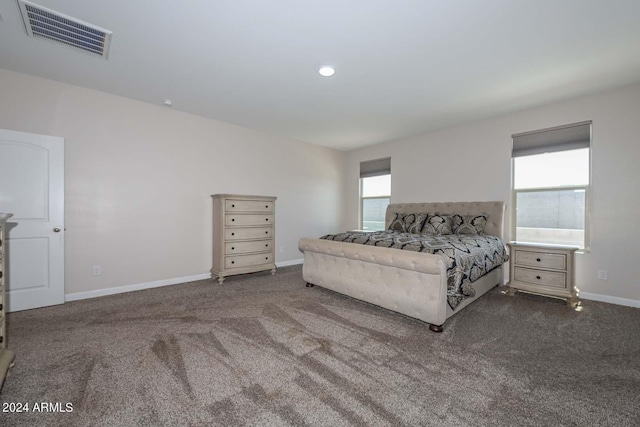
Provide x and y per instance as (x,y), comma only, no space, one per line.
(43,23)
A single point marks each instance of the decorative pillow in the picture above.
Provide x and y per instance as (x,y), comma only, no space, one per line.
(437,224)
(415,226)
(397,223)
(408,223)
(469,224)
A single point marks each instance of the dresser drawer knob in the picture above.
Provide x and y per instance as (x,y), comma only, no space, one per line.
(233,248)
(233,262)
(266,232)
(0,307)
(538,277)
(266,219)
(1,339)
(233,234)
(266,257)
(266,246)
(233,206)
(233,219)
(538,259)
(266,206)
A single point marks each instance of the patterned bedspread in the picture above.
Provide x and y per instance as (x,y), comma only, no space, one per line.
(467,257)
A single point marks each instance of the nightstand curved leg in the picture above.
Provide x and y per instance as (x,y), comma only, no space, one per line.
(509,291)
(309,285)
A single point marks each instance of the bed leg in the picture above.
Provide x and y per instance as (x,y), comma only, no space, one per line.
(310,285)
(435,328)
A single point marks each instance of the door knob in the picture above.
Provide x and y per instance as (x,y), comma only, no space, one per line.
(57,229)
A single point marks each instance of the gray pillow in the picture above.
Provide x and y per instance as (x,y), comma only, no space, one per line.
(408,223)
(437,224)
(469,224)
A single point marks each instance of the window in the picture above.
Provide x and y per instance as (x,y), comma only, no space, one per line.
(551,178)
(375,193)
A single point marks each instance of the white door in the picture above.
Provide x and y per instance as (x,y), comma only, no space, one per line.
(32,188)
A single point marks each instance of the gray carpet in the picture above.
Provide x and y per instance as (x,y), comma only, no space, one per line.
(263,350)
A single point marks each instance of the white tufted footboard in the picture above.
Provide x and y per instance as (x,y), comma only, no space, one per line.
(410,283)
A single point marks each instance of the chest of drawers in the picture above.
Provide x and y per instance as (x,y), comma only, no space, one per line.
(243,234)
(6,356)
(543,269)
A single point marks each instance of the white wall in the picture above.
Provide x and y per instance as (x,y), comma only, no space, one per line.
(473,162)
(139,179)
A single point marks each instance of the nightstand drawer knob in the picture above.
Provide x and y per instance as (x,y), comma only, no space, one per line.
(538,259)
(538,277)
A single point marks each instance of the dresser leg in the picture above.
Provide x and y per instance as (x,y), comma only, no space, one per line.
(220,279)
(310,285)
(273,271)
(573,302)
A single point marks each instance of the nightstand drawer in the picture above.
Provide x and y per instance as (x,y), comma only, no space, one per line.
(541,260)
(248,206)
(247,247)
(542,278)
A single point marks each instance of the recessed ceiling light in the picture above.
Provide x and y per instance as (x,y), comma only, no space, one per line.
(326,71)
(167,102)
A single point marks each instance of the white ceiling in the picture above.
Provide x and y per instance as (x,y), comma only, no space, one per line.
(403,67)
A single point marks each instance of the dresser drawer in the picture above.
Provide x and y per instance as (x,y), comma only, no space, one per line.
(238,261)
(240,220)
(246,247)
(248,206)
(541,260)
(543,278)
(248,233)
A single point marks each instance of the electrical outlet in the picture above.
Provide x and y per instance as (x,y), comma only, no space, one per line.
(97,270)
(603,275)
(281,249)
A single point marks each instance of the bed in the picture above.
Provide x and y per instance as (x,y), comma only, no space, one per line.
(412,283)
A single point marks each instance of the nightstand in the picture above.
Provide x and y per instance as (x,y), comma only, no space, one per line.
(543,269)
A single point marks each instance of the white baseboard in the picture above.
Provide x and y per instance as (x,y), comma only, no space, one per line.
(612,300)
(158,283)
(288,263)
(137,287)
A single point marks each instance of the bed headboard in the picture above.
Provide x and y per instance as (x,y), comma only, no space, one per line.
(495,210)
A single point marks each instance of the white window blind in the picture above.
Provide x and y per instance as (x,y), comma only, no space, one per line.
(561,138)
(375,167)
